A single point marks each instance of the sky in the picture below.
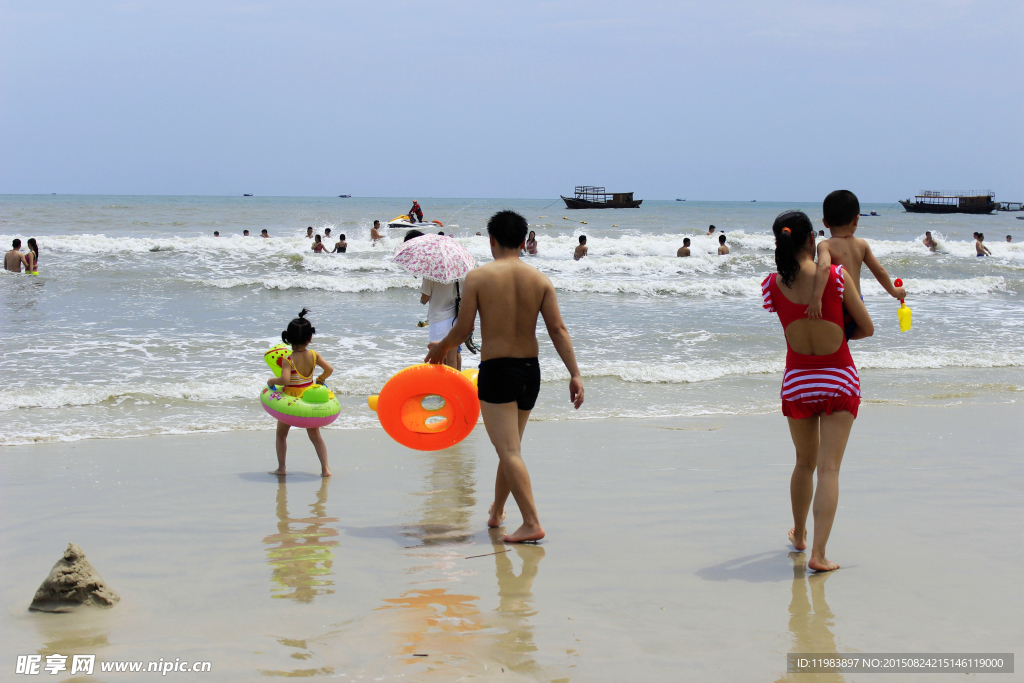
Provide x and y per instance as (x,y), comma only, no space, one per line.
(767,99)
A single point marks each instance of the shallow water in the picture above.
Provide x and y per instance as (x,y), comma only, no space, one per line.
(141,322)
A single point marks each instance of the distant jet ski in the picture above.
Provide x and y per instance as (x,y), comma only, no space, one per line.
(403,222)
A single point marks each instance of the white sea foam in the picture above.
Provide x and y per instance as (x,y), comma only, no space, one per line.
(321,282)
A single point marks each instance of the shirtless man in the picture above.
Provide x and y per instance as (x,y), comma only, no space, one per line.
(1009,239)
(245,233)
(722,249)
(309,233)
(375,233)
(509,294)
(685,249)
(711,230)
(581,249)
(929,241)
(264,234)
(979,246)
(14,259)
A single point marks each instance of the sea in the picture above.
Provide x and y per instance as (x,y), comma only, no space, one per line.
(141,322)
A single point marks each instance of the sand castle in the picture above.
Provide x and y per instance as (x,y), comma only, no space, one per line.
(72,583)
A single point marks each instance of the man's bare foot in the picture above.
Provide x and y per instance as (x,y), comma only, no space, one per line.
(802,545)
(525,534)
(325,473)
(279,472)
(822,565)
(492,520)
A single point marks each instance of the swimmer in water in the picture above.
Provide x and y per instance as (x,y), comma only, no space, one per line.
(929,241)
(722,249)
(341,246)
(318,245)
(327,233)
(685,249)
(711,230)
(32,256)
(14,259)
(264,234)
(309,233)
(216,233)
(581,250)
(979,245)
(531,243)
(245,233)
(375,233)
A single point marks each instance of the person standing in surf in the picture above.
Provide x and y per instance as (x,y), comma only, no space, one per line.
(509,295)
(820,387)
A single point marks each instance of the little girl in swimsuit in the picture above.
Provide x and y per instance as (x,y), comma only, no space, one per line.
(821,387)
(296,376)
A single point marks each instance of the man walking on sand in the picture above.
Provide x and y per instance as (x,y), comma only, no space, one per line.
(509,294)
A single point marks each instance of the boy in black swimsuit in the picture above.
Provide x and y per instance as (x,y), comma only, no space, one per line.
(509,295)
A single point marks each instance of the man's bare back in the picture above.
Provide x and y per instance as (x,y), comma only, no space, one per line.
(509,295)
(13,261)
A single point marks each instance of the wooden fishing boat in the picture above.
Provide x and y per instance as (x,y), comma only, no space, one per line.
(591,197)
(930,201)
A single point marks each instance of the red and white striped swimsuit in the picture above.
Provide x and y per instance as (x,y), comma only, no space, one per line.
(815,384)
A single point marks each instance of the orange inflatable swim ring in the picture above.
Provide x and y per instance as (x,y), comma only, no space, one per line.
(428,407)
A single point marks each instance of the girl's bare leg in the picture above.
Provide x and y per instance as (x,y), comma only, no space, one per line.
(282,446)
(835,432)
(801,484)
(321,450)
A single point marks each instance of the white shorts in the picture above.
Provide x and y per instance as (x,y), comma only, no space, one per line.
(439,330)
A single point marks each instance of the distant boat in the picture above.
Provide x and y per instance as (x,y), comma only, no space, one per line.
(345,196)
(753,200)
(680,200)
(930,201)
(591,197)
(246,195)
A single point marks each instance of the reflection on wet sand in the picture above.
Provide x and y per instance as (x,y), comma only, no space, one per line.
(810,621)
(515,606)
(299,555)
(60,640)
(448,499)
(446,624)
(301,559)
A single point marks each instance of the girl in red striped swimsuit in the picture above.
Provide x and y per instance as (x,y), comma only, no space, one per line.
(821,387)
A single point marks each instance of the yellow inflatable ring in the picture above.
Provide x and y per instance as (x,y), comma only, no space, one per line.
(427,407)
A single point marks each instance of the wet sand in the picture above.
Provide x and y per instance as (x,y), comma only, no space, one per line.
(666,557)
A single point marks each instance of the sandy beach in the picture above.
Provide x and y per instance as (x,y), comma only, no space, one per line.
(666,557)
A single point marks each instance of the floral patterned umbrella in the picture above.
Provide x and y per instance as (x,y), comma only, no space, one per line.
(437,257)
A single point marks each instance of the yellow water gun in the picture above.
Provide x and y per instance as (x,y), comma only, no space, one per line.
(903,311)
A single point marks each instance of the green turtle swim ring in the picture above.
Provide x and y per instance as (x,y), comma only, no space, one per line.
(315,406)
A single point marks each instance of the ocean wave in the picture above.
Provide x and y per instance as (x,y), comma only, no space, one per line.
(319,282)
(630,244)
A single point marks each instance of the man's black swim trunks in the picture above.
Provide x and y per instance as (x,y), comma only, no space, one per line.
(503,380)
